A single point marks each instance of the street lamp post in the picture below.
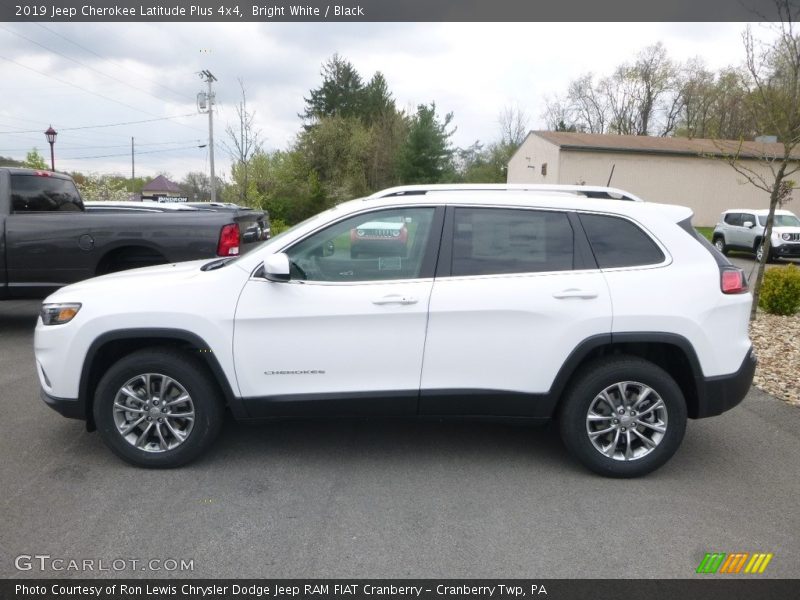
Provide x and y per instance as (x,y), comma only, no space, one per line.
(51,134)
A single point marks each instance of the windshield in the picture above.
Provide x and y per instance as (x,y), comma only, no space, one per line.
(780,221)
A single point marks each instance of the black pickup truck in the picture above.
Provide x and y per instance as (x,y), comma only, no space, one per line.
(48,238)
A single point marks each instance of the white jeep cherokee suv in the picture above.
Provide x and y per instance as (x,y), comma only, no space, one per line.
(612,316)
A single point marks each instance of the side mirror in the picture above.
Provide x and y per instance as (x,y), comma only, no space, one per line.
(276,267)
(748,224)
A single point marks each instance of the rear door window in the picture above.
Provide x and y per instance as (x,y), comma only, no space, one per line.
(39,193)
(497,240)
(618,242)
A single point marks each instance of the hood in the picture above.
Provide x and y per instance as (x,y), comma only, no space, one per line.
(135,280)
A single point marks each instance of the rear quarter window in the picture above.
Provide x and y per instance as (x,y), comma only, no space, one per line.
(617,242)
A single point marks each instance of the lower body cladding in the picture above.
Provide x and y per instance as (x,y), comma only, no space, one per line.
(620,415)
(715,396)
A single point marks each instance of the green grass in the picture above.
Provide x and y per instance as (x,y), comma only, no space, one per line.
(705,232)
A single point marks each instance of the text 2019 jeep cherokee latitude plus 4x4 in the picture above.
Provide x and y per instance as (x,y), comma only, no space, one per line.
(612,316)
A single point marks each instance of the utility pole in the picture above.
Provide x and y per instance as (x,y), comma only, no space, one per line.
(133,170)
(205,103)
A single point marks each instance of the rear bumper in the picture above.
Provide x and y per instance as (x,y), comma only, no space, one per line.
(718,394)
(71,408)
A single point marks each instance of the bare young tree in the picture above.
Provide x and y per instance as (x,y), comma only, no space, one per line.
(587,104)
(513,123)
(243,144)
(772,80)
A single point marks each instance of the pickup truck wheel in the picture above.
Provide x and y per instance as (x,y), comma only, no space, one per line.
(157,408)
(623,417)
(719,244)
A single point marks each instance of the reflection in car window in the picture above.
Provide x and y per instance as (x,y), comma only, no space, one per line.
(495,240)
(35,193)
(619,243)
(380,245)
(780,221)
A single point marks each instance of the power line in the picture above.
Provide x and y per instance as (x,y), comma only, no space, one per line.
(87,147)
(128,153)
(74,43)
(19,64)
(76,61)
(105,125)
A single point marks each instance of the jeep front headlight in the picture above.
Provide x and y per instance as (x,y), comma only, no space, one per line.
(60,313)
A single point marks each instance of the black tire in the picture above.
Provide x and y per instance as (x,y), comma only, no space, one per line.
(597,377)
(770,256)
(719,244)
(204,402)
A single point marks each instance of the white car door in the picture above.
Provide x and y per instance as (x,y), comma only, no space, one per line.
(345,334)
(518,295)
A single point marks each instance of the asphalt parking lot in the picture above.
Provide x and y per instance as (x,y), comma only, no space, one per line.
(388,498)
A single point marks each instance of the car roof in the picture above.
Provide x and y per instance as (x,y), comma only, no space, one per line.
(758,211)
(160,206)
(589,191)
(524,199)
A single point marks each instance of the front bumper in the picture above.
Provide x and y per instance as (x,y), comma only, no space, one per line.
(786,249)
(718,394)
(72,408)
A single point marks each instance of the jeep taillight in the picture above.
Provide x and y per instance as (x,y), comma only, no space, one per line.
(228,240)
(732,280)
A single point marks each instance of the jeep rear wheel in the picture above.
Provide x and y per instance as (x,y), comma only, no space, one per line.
(623,417)
(719,244)
(157,408)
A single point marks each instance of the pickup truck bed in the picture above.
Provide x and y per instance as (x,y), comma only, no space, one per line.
(49,239)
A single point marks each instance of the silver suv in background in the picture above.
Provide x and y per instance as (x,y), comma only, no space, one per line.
(743,229)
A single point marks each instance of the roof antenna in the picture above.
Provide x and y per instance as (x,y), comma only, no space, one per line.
(610,175)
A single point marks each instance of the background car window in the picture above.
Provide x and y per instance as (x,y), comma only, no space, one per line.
(380,245)
(746,217)
(734,219)
(496,240)
(619,243)
(780,221)
(32,193)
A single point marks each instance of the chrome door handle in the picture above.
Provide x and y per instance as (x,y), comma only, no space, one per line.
(395,299)
(575,293)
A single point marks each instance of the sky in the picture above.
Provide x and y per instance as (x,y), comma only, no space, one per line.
(76,76)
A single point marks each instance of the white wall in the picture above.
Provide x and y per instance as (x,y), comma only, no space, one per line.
(708,186)
(526,164)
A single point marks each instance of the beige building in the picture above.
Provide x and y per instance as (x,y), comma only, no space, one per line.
(684,171)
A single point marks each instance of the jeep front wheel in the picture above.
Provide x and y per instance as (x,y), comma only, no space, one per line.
(157,408)
(623,417)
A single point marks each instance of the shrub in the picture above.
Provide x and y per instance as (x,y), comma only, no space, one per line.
(780,291)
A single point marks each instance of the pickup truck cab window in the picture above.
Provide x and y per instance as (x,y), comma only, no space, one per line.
(41,193)
(374,246)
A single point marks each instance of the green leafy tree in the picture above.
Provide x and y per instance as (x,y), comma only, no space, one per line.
(341,92)
(196,186)
(427,154)
(34,160)
(94,186)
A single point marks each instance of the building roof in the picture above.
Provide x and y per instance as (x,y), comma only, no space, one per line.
(161,184)
(601,142)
